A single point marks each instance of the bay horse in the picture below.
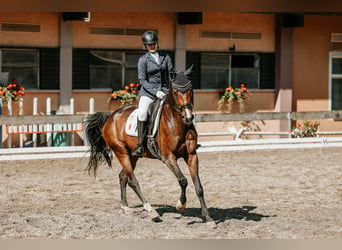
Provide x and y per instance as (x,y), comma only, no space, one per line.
(176,138)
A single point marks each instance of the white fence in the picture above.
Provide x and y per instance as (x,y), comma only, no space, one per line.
(50,125)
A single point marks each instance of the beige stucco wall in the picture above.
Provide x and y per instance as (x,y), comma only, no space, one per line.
(163,22)
(311,61)
(47,37)
(233,22)
(311,66)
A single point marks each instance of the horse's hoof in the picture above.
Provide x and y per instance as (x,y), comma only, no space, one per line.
(152,213)
(127,210)
(180,206)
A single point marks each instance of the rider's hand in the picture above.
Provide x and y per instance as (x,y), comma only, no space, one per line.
(160,94)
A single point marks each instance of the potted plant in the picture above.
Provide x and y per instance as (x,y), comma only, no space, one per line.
(307,129)
(230,95)
(12,91)
(127,95)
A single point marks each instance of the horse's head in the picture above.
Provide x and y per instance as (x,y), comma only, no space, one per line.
(182,93)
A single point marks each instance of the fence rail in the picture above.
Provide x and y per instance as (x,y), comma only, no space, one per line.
(335,115)
(258,116)
(216,117)
(40,119)
(17,120)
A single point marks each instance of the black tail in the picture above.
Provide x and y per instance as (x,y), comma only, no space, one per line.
(99,151)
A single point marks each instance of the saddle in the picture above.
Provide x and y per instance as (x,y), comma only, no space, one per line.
(131,127)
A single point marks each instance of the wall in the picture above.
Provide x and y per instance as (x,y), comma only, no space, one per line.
(163,22)
(311,65)
(233,22)
(47,37)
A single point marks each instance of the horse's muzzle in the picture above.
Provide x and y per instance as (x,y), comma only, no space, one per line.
(188,117)
(188,120)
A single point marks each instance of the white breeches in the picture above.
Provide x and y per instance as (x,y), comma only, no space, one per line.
(144,104)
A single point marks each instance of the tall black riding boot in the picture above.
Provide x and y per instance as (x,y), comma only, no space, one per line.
(139,149)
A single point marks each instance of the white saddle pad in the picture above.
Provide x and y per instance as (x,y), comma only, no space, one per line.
(131,127)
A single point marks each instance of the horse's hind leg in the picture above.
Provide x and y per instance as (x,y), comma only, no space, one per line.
(127,176)
(123,184)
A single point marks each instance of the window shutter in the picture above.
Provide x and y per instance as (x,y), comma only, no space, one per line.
(49,68)
(194,58)
(267,71)
(80,69)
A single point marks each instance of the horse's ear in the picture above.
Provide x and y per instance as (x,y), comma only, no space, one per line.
(189,70)
(172,74)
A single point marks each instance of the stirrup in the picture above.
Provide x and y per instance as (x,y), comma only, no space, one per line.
(138,151)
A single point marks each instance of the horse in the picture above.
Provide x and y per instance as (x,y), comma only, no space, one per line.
(176,138)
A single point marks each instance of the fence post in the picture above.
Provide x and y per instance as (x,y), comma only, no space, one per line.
(9,108)
(289,123)
(91,105)
(0,125)
(21,112)
(34,126)
(91,111)
(48,126)
(72,112)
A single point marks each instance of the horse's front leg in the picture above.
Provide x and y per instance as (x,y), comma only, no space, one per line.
(192,161)
(171,163)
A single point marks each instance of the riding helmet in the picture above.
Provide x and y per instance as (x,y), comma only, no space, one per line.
(150,37)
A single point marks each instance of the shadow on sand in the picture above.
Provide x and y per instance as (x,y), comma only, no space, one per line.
(218,214)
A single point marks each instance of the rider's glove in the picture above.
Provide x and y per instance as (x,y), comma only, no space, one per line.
(160,94)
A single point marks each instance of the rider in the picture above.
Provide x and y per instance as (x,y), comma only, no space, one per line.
(153,69)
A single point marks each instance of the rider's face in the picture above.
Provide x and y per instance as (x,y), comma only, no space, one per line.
(152,47)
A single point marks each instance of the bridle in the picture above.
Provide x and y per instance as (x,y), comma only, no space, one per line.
(185,107)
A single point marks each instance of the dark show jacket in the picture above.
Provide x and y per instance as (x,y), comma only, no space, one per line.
(153,77)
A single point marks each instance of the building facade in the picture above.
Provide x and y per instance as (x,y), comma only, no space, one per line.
(290,62)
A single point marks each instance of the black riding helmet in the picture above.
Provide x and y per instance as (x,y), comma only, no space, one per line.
(150,37)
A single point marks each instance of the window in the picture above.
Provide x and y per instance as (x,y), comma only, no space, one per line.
(103,69)
(217,70)
(21,64)
(335,79)
(112,69)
